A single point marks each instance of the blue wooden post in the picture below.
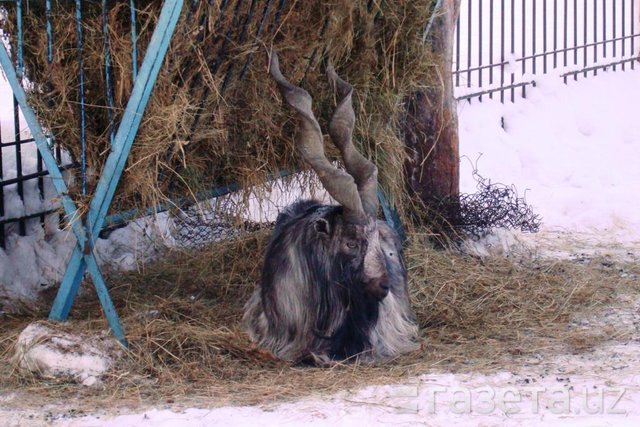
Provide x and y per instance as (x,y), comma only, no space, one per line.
(83,257)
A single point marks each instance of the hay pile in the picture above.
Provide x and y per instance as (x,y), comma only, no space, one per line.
(215,117)
(181,316)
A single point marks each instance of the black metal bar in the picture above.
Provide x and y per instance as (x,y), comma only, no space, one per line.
(107,70)
(524,43)
(191,11)
(584,37)
(40,171)
(488,91)
(480,45)
(615,45)
(23,178)
(633,30)
(513,48)
(221,9)
(312,57)
(79,47)
(243,33)
(533,42)
(5,221)
(542,54)
(575,36)
(469,43)
(533,82)
(134,40)
(502,38)
(484,67)
(544,35)
(50,102)
(22,229)
(18,142)
(604,27)
(49,15)
(595,35)
(555,33)
(491,44)
(222,52)
(565,36)
(34,175)
(263,19)
(273,27)
(624,27)
(601,66)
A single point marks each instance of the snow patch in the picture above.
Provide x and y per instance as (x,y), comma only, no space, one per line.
(498,242)
(52,353)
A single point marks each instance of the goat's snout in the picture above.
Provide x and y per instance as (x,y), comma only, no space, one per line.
(378,287)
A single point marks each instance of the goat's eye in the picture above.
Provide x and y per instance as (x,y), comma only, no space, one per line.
(352,245)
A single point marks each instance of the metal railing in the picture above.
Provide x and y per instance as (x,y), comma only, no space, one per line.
(501,45)
(24,195)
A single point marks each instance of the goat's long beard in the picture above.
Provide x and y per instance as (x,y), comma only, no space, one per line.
(351,312)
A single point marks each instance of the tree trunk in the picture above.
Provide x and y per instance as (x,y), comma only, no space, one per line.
(431,125)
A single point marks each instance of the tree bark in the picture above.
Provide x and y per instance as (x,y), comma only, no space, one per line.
(431,125)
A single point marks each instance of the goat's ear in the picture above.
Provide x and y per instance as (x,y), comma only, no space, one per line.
(321,225)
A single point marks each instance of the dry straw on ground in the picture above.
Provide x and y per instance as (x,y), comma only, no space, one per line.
(182,314)
(211,121)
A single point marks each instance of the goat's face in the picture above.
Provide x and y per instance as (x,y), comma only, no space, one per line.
(360,257)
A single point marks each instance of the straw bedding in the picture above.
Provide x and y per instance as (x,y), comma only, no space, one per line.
(181,316)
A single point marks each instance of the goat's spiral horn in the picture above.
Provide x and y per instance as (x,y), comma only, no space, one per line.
(308,140)
(341,126)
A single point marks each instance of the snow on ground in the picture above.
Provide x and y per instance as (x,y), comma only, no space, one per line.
(52,353)
(572,150)
(599,388)
(567,391)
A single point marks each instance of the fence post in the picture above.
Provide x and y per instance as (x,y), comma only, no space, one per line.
(431,125)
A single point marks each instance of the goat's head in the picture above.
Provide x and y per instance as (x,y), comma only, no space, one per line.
(354,235)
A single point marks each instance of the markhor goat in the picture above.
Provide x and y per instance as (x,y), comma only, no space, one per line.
(333,284)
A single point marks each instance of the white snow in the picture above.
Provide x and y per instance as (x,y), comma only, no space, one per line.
(52,353)
(571,149)
(592,389)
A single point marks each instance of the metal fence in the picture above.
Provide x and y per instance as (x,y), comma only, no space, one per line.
(502,45)
(26,197)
